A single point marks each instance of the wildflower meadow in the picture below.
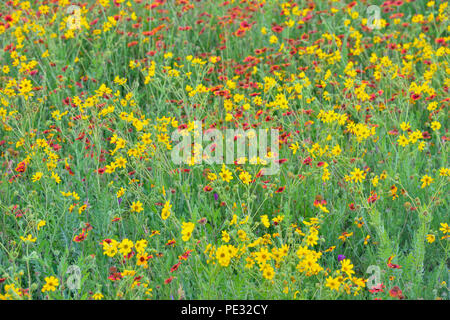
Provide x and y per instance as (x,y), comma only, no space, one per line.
(239,149)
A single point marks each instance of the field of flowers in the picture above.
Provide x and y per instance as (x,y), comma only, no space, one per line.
(97,95)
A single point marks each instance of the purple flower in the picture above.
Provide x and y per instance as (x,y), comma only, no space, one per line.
(341,257)
(216,196)
(119,200)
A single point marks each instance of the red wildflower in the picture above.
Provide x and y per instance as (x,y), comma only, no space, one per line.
(307,161)
(168,280)
(171,243)
(377,288)
(80,237)
(395,292)
(175,267)
(115,276)
(391,265)
(185,255)
(21,167)
(277,29)
(280,189)
(372,198)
